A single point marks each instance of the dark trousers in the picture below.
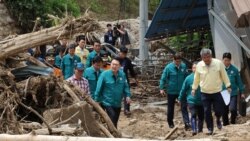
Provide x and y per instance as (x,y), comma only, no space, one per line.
(113,113)
(196,111)
(184,112)
(170,113)
(232,107)
(217,102)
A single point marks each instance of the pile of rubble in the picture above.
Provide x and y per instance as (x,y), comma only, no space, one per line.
(47,105)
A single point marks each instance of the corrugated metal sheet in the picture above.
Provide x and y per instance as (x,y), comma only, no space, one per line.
(178,16)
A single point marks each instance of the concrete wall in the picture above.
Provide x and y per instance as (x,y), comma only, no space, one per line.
(7,24)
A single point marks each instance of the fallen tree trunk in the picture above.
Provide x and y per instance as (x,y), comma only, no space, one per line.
(29,137)
(23,42)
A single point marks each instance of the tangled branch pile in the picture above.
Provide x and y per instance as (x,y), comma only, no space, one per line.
(44,104)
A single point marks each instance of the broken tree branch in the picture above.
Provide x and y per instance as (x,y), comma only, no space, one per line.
(98,108)
(35,112)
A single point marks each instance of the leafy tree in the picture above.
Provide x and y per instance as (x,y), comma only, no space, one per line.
(25,12)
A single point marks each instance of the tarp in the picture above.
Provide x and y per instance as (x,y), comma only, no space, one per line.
(242,9)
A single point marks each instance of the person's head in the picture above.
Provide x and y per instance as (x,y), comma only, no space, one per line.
(194,66)
(72,49)
(109,26)
(64,42)
(206,55)
(122,26)
(123,52)
(79,68)
(78,38)
(82,43)
(61,51)
(115,64)
(227,59)
(97,62)
(97,46)
(177,59)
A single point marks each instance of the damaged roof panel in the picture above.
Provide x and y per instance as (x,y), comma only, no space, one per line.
(178,16)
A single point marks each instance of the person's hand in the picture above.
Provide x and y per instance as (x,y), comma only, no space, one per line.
(243,96)
(162,92)
(193,92)
(84,56)
(128,100)
(178,102)
(229,90)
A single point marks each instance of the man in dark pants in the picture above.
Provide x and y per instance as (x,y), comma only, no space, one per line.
(173,75)
(111,87)
(126,66)
(237,86)
(210,74)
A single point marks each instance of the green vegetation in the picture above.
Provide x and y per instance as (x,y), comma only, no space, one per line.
(113,10)
(25,12)
(190,41)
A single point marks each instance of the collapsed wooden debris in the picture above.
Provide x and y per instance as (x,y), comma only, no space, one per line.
(47,105)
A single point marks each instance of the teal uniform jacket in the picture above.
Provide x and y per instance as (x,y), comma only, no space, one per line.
(58,61)
(110,89)
(90,58)
(68,65)
(186,90)
(172,78)
(235,80)
(91,75)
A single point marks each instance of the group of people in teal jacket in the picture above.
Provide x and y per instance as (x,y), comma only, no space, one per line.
(178,85)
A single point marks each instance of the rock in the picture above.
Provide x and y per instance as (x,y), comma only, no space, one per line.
(132,121)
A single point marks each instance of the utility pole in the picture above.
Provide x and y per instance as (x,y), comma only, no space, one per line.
(143,54)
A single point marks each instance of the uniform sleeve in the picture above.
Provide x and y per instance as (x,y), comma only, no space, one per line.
(88,63)
(164,78)
(131,69)
(99,88)
(63,66)
(78,59)
(239,82)
(126,89)
(196,79)
(106,38)
(85,74)
(183,91)
(224,75)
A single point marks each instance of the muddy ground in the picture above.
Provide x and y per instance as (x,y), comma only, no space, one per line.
(149,121)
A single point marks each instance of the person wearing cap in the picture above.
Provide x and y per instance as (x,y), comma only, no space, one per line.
(69,62)
(93,73)
(194,102)
(81,51)
(236,85)
(109,35)
(111,87)
(171,81)
(126,66)
(79,80)
(210,75)
(95,52)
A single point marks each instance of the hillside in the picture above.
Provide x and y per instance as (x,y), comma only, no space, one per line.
(111,10)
